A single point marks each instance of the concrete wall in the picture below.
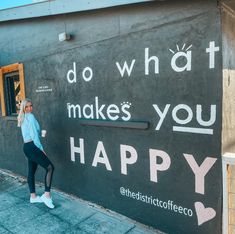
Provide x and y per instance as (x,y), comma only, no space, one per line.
(228,133)
(169,171)
(56,7)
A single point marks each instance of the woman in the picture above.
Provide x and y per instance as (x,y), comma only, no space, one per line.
(34,152)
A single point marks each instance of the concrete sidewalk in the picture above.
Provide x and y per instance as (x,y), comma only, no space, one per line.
(71,215)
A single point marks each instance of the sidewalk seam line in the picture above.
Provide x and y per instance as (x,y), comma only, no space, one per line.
(130,229)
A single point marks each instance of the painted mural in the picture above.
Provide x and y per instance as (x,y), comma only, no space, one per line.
(169,171)
(167,78)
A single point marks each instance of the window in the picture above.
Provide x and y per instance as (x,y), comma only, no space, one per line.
(12,89)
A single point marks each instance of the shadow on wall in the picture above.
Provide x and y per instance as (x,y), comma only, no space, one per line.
(228,35)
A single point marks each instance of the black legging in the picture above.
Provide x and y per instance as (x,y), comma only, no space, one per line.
(37,157)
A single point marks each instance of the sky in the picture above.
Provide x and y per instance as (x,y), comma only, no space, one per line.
(4,4)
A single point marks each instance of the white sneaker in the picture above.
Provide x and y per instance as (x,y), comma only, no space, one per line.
(37,199)
(47,201)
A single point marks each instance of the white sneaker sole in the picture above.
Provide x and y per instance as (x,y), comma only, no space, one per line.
(51,206)
(38,200)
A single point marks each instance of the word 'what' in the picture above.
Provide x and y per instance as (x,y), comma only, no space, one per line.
(126,69)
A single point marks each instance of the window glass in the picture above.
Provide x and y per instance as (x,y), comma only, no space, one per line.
(12,93)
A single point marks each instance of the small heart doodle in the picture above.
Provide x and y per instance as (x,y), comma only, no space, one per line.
(203,214)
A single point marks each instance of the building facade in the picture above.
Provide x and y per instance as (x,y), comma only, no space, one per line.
(130,94)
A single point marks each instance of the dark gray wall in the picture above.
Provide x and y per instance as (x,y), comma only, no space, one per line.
(100,40)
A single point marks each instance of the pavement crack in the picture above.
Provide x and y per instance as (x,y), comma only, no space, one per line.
(128,231)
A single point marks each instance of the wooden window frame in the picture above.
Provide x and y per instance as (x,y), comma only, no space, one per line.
(7,69)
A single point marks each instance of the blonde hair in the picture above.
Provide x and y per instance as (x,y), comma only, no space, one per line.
(21,114)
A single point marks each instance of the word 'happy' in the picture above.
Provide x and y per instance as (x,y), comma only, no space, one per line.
(159,161)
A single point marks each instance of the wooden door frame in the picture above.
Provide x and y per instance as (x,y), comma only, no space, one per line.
(7,69)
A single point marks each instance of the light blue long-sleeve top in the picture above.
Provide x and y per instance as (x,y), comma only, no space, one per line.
(31,130)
